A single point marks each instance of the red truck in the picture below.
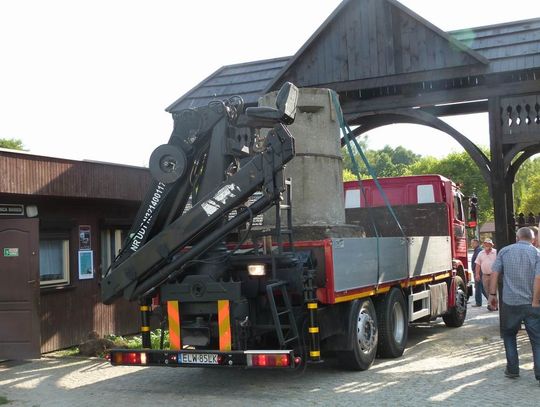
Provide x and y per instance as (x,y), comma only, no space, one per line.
(233,296)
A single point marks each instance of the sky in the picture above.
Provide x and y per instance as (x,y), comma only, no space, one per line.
(91,79)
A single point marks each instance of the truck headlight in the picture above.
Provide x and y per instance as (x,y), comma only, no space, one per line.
(256,270)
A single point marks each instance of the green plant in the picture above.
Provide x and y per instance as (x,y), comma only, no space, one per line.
(155,338)
(74,351)
(135,342)
(4,400)
(12,143)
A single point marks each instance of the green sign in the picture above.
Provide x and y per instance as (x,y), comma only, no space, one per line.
(11,252)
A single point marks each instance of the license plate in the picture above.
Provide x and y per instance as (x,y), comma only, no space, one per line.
(198,358)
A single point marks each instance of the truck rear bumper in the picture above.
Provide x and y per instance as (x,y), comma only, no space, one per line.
(204,358)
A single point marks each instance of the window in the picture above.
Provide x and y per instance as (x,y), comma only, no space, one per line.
(111,244)
(352,198)
(425,194)
(458,210)
(53,261)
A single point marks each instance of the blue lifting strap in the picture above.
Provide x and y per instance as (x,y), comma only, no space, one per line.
(346,130)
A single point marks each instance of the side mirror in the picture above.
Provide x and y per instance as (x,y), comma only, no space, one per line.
(473,211)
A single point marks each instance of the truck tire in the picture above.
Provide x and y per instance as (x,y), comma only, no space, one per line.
(363,335)
(457,314)
(393,324)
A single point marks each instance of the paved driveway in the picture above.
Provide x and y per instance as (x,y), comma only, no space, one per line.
(441,366)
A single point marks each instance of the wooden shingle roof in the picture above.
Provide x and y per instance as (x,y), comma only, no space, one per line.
(508,47)
(247,80)
(494,49)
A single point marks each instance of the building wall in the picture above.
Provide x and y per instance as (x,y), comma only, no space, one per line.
(70,193)
(28,174)
(69,312)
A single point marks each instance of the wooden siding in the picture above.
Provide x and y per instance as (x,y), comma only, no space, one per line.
(67,194)
(27,174)
(67,317)
(68,313)
(376,39)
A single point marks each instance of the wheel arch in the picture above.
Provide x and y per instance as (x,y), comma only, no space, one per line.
(460,270)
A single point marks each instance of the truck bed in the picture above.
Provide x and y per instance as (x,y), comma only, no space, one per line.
(352,266)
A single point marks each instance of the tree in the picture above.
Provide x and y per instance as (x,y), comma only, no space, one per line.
(11,143)
(401,155)
(530,197)
(386,162)
(526,193)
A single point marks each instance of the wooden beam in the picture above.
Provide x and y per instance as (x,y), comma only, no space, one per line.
(498,179)
(457,109)
(402,79)
(528,152)
(440,97)
(369,122)
(514,150)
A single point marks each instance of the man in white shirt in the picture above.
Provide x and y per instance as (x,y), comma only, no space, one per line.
(484,261)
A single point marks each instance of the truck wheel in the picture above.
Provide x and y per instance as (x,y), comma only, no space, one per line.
(456,316)
(393,324)
(363,331)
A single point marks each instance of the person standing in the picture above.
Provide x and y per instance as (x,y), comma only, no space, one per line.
(519,265)
(484,261)
(478,286)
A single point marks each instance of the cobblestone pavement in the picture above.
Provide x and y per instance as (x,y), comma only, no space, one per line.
(441,366)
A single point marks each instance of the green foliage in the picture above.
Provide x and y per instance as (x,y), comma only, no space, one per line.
(135,342)
(4,400)
(73,351)
(348,175)
(527,187)
(386,162)
(11,143)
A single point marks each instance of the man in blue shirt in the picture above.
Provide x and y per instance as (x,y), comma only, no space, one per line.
(478,286)
(519,264)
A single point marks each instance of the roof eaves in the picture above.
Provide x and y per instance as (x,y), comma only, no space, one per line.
(185,95)
(258,62)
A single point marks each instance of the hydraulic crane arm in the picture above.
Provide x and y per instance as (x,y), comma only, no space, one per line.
(202,158)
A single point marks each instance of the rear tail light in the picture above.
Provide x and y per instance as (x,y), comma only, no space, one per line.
(129,358)
(269,360)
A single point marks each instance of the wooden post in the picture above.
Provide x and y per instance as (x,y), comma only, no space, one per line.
(498,184)
(509,182)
